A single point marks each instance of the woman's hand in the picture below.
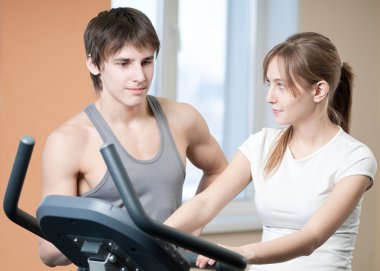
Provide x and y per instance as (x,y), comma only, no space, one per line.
(203,261)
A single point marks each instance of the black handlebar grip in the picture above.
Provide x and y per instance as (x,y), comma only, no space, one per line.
(15,184)
(146,224)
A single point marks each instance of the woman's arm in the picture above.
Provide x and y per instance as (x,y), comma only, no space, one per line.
(321,226)
(199,210)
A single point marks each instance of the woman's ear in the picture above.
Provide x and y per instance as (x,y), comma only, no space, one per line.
(91,66)
(321,90)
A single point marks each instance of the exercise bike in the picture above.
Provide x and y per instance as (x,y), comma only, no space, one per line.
(97,236)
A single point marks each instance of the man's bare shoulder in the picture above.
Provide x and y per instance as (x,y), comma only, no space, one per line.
(179,113)
(185,119)
(63,155)
(71,135)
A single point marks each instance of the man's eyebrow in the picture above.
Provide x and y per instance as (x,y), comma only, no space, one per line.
(123,59)
(149,57)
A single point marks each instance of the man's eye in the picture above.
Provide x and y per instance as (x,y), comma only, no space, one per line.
(147,62)
(122,63)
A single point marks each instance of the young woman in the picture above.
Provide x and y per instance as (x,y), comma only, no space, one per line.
(309,178)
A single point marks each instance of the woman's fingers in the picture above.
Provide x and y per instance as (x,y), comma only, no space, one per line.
(203,261)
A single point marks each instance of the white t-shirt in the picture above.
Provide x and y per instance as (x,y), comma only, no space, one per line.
(287,199)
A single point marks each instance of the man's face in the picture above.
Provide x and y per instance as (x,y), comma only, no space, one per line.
(127,75)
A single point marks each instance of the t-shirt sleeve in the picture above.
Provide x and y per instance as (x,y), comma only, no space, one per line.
(246,148)
(257,145)
(361,161)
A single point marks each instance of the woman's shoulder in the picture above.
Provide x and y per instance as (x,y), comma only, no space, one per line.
(261,141)
(356,157)
(353,145)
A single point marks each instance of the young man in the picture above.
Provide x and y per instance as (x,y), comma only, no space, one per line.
(153,136)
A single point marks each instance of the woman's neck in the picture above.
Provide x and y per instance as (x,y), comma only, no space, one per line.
(305,140)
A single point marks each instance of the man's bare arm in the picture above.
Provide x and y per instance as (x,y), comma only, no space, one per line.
(59,178)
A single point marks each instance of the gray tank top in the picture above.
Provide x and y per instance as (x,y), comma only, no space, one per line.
(158,182)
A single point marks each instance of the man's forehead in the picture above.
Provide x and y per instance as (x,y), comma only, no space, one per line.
(131,52)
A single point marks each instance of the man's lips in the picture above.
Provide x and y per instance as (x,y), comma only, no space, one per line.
(136,90)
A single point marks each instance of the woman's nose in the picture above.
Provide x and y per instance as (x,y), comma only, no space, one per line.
(270,97)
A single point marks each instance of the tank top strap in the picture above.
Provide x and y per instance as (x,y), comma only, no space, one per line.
(160,116)
(156,107)
(100,124)
(168,137)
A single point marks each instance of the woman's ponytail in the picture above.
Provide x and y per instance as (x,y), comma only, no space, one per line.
(340,103)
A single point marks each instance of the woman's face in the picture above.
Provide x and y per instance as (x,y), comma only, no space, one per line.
(287,108)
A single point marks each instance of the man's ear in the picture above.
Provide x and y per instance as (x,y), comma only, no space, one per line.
(321,90)
(91,66)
